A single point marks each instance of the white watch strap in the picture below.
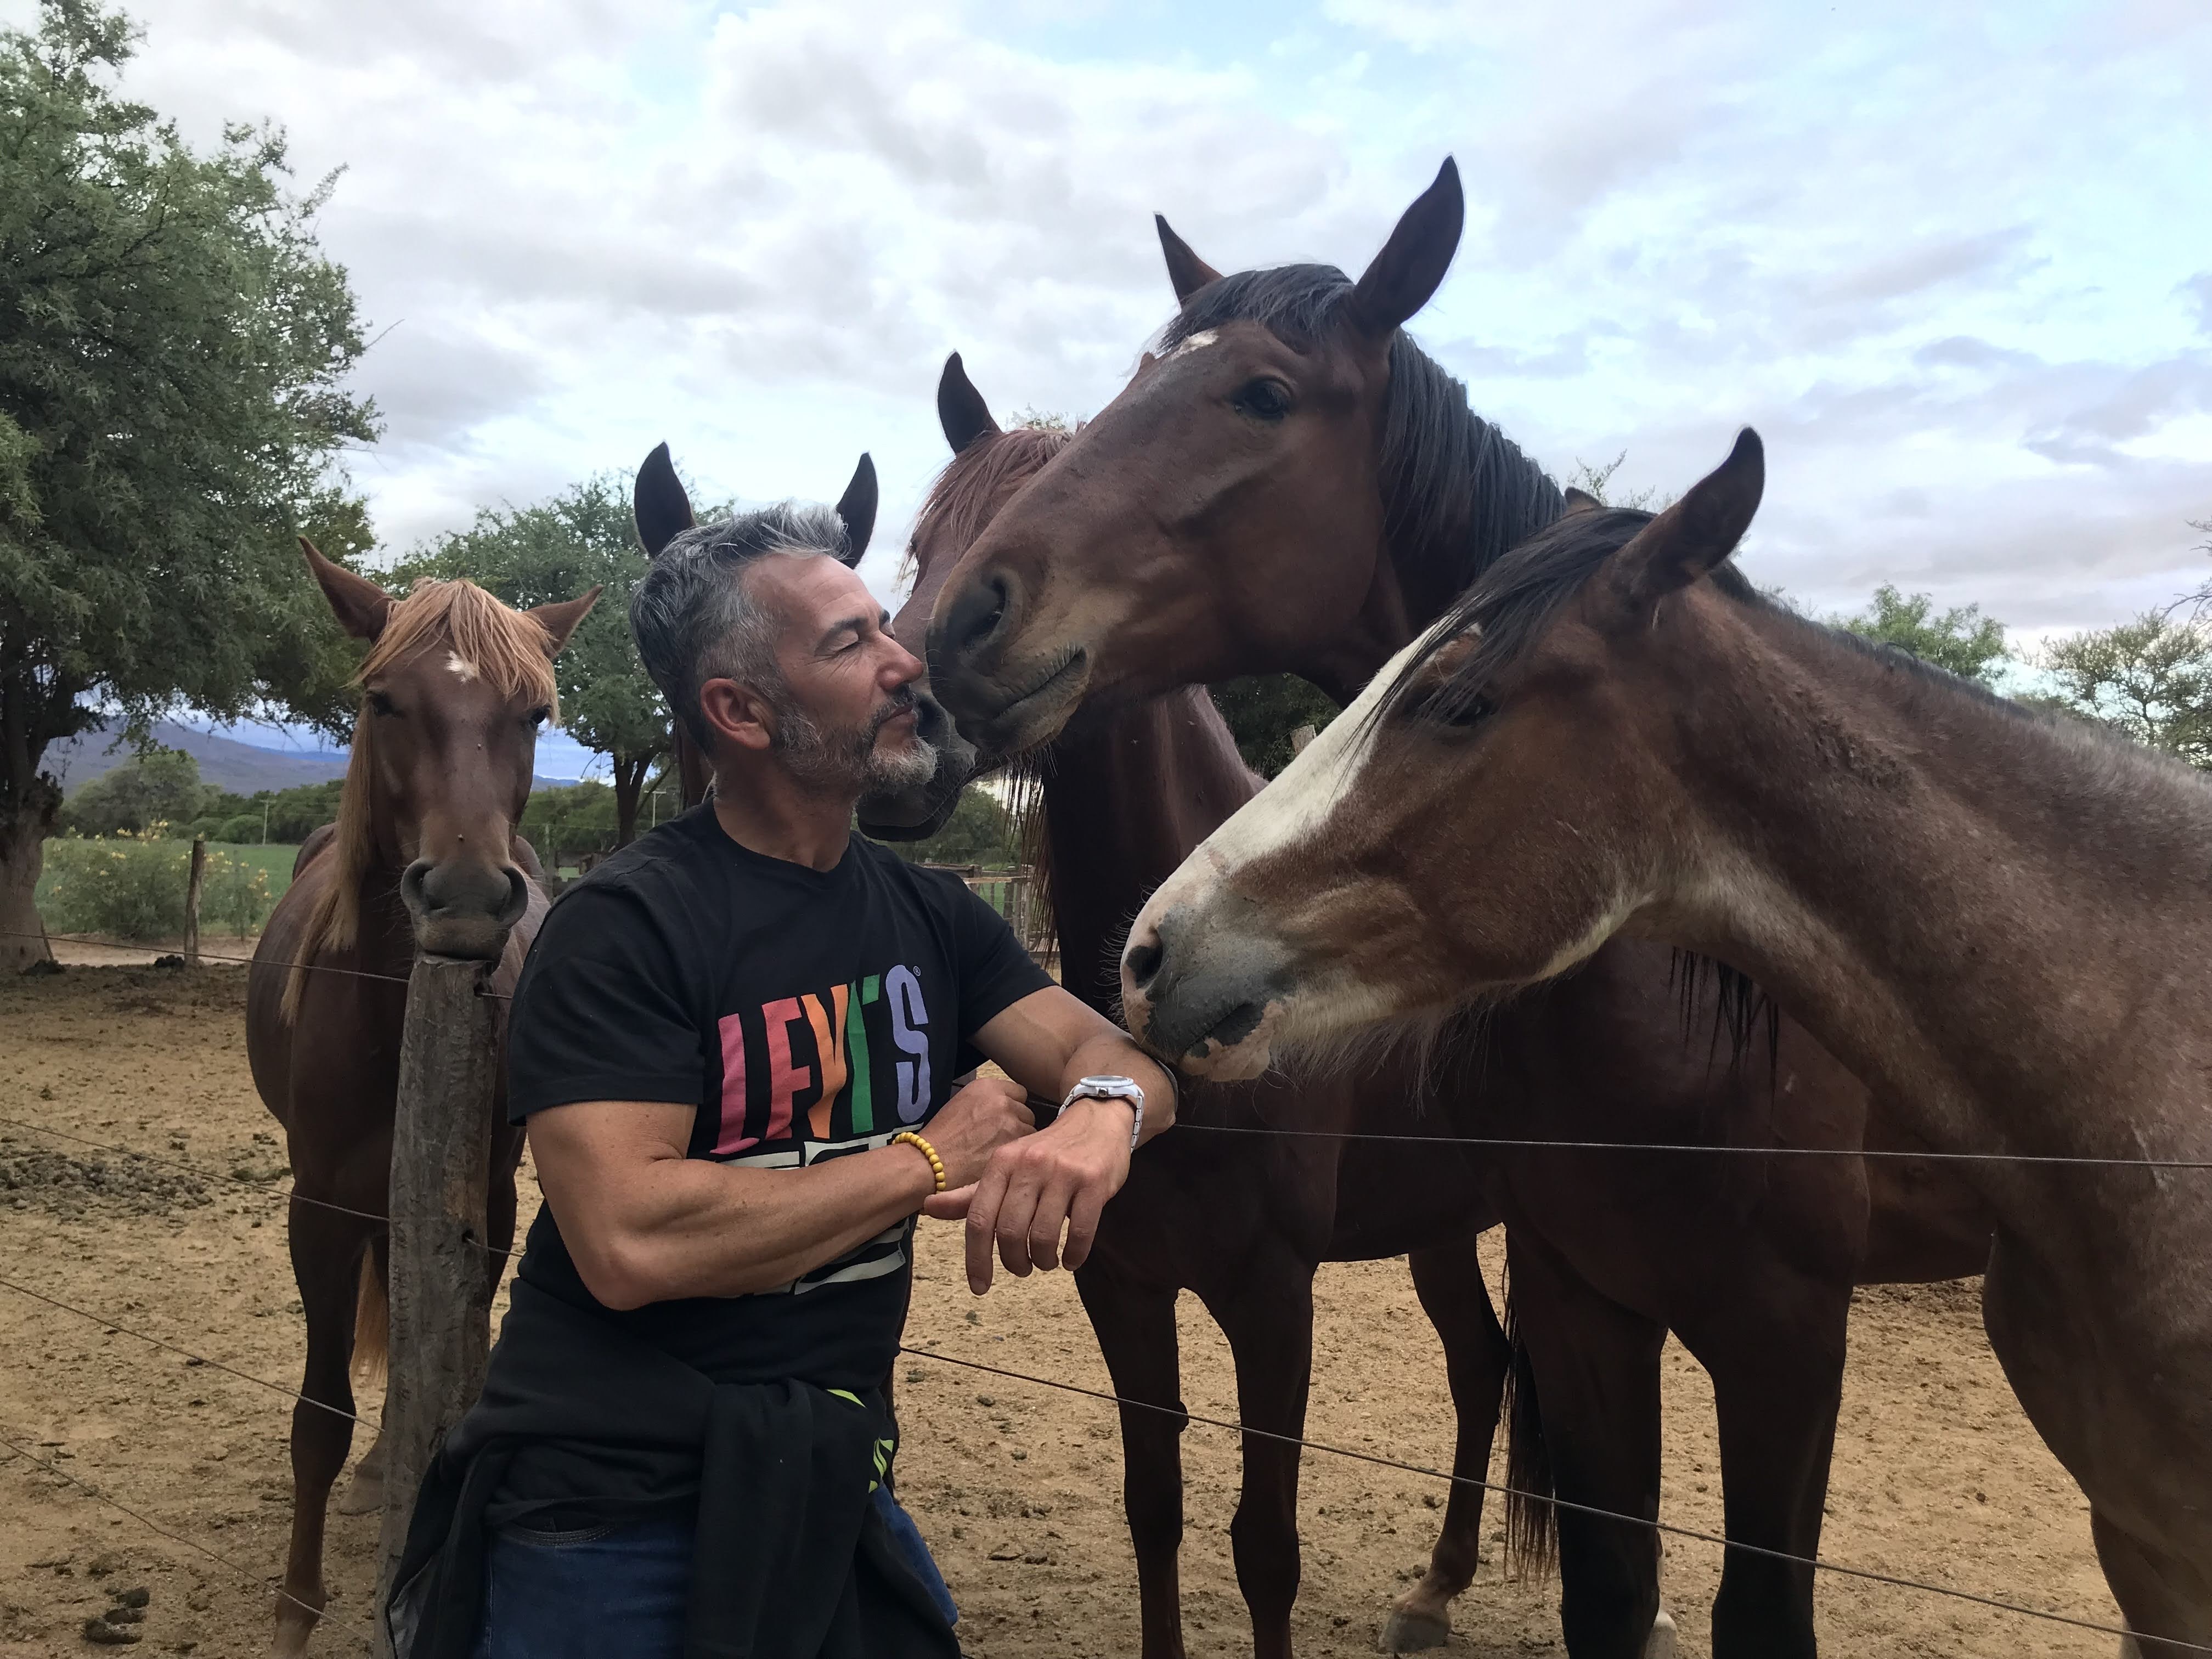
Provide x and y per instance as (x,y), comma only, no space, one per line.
(1136,1102)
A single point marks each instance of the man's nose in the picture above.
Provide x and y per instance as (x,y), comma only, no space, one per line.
(904,667)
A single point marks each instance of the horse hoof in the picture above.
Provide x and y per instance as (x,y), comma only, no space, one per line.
(1660,1645)
(364,1493)
(1412,1630)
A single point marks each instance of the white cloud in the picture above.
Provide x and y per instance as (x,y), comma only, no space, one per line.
(1948,260)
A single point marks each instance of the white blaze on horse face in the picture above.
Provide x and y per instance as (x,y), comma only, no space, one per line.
(460,666)
(1292,808)
(1198,342)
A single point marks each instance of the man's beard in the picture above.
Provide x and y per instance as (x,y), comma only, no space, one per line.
(847,763)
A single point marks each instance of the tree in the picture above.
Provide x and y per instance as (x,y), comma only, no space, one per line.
(2150,678)
(554,550)
(1263,710)
(1961,640)
(173,351)
(981,831)
(161,786)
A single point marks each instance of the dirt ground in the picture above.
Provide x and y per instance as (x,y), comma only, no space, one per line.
(1937,1476)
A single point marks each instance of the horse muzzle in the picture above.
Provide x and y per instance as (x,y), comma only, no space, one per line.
(462,908)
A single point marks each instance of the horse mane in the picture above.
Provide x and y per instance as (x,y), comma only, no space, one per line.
(976,483)
(1456,491)
(505,646)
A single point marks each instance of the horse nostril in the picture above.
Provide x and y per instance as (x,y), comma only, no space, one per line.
(1142,960)
(980,613)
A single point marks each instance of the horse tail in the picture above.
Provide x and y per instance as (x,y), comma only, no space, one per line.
(1532,1534)
(372,1318)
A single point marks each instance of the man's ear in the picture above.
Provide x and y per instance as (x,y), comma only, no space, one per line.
(361,607)
(1695,534)
(737,715)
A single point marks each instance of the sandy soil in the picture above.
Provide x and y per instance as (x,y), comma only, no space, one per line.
(1937,1476)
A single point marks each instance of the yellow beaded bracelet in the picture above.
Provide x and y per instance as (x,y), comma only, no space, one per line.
(936,1164)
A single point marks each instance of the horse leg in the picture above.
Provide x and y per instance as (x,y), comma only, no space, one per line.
(327,1251)
(1448,1280)
(1268,1320)
(1136,1329)
(1597,1372)
(364,1493)
(2161,1596)
(1777,1382)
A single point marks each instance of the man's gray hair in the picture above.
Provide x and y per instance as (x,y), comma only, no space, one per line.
(695,621)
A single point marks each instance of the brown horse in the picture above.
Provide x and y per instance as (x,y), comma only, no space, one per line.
(1241,1221)
(424,856)
(1999,916)
(1291,483)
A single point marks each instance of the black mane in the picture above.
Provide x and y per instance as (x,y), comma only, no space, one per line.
(1456,491)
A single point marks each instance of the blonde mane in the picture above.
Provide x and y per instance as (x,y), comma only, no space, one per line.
(506,647)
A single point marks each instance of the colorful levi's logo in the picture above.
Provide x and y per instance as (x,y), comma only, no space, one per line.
(840,1064)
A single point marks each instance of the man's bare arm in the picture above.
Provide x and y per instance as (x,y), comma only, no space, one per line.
(644,1223)
(1061,1178)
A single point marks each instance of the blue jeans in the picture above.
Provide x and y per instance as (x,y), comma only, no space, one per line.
(622,1595)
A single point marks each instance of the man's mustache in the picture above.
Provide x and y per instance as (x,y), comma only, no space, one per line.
(904,701)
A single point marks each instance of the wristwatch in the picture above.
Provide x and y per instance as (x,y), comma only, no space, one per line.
(1111,1088)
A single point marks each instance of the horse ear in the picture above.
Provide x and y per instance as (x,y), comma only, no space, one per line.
(1413,262)
(1186,270)
(961,409)
(663,510)
(559,619)
(361,607)
(1579,500)
(1690,538)
(857,508)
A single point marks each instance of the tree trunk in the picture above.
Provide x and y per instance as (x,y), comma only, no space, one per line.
(22,855)
(630,772)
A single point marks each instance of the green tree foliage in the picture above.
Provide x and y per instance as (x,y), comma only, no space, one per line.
(161,786)
(133,887)
(555,550)
(2150,678)
(567,821)
(1264,710)
(1961,640)
(981,831)
(172,352)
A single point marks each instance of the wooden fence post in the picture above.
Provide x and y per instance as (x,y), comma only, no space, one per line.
(442,1278)
(192,901)
(1300,739)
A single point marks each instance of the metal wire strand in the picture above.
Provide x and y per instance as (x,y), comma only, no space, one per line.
(216,955)
(366,1638)
(196,1358)
(1867,1574)
(290,1192)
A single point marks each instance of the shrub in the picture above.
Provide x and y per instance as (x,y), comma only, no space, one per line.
(132,887)
(243,830)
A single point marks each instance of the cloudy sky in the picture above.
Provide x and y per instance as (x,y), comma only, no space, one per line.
(1952,261)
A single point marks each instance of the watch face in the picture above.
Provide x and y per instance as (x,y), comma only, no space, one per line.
(1106,1083)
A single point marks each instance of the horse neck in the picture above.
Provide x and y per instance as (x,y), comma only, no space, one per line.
(2000,919)
(1456,493)
(1124,806)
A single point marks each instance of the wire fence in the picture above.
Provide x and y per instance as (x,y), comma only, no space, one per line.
(1834,1568)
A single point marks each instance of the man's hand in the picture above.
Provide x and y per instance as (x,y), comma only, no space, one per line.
(1060,1177)
(986,1114)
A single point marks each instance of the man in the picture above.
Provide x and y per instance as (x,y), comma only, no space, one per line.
(735,1045)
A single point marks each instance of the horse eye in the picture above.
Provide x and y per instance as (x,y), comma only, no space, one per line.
(1461,710)
(1264,400)
(383,705)
(538,715)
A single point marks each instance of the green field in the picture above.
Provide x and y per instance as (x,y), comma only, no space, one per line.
(276,860)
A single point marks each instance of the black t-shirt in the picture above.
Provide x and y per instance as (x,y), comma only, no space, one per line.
(806,1014)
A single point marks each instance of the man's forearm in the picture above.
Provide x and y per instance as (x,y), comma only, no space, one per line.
(1112,1054)
(690,1227)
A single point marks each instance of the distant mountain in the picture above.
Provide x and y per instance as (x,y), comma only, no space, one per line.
(225,762)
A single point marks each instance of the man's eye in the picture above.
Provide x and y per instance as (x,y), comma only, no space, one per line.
(1264,400)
